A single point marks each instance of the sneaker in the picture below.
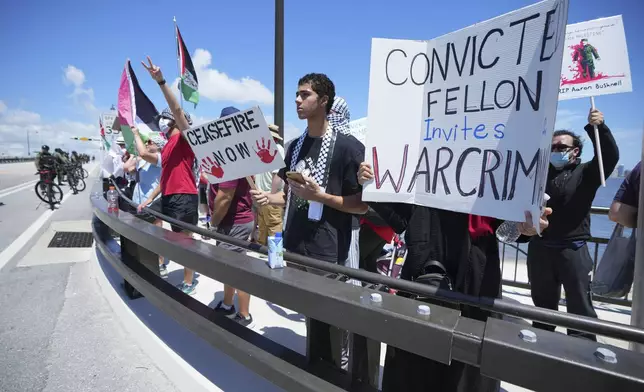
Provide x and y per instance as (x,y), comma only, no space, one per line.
(246,322)
(226,312)
(190,289)
(163,270)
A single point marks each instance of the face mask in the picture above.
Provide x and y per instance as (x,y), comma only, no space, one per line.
(559,159)
(164,125)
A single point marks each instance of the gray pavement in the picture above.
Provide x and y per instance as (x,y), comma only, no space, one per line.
(12,174)
(57,330)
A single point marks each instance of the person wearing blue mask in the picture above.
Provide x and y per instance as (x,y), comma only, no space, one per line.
(561,256)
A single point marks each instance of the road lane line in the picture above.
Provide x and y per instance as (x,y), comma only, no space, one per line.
(26,235)
(17,188)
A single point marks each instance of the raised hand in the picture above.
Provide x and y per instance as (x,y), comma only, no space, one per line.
(263,151)
(211,167)
(527,228)
(595,117)
(154,70)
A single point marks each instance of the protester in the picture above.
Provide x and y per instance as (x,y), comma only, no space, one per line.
(269,217)
(466,246)
(148,172)
(560,256)
(320,203)
(232,215)
(178,185)
(624,208)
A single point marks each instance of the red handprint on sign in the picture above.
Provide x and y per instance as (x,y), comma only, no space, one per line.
(263,151)
(211,167)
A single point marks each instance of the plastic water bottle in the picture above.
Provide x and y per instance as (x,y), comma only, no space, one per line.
(508,231)
(112,201)
(276,251)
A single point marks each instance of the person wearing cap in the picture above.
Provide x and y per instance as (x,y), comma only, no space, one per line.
(269,217)
(232,215)
(147,167)
(178,186)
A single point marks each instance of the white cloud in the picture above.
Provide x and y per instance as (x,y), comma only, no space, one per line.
(15,124)
(217,86)
(74,76)
(82,96)
(3,107)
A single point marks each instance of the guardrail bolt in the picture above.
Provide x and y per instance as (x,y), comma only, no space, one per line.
(606,355)
(424,310)
(375,298)
(528,336)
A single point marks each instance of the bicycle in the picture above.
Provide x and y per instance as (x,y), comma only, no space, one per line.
(46,190)
(75,180)
(81,171)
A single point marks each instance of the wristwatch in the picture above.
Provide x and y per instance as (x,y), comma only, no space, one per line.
(161,83)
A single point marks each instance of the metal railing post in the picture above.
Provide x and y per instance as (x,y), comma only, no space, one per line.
(637,315)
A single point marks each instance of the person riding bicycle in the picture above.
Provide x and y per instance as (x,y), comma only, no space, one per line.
(75,158)
(61,161)
(46,162)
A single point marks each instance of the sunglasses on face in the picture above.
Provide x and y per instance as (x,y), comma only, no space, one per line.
(561,148)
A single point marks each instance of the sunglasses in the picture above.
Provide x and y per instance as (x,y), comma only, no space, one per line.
(561,148)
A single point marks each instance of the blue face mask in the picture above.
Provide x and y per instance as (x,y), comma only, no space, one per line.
(559,159)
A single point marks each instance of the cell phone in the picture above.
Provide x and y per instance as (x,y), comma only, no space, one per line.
(295,176)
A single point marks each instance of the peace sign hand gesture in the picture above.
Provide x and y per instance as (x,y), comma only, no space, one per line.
(154,70)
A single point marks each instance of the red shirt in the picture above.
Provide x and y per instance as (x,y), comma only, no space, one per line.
(240,210)
(177,159)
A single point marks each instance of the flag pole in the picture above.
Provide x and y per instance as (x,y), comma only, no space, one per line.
(176,40)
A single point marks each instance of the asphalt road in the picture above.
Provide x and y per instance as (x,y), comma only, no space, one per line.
(57,331)
(20,206)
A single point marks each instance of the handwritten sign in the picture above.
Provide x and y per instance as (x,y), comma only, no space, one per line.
(595,59)
(235,146)
(464,122)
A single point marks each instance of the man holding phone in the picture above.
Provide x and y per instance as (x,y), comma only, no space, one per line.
(321,191)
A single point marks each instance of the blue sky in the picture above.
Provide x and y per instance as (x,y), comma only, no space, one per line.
(42,39)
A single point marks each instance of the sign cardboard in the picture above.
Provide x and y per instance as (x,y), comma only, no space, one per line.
(464,122)
(235,146)
(595,59)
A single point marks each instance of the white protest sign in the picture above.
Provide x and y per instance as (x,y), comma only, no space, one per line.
(464,122)
(595,59)
(358,129)
(235,146)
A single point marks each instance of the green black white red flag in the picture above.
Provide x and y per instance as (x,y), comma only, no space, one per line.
(189,83)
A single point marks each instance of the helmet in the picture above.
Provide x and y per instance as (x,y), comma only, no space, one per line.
(45,147)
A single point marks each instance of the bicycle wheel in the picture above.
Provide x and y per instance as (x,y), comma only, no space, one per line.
(80,185)
(85,173)
(41,191)
(56,193)
(44,191)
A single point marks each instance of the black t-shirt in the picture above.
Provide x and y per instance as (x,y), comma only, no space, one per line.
(629,191)
(327,239)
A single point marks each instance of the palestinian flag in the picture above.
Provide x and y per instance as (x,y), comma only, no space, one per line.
(189,84)
(134,108)
(105,142)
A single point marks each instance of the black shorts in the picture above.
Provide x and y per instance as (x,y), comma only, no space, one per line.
(182,207)
(203,194)
(155,206)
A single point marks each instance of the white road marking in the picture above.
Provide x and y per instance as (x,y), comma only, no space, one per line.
(17,188)
(21,241)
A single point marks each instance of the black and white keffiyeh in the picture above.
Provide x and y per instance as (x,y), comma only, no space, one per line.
(319,170)
(340,117)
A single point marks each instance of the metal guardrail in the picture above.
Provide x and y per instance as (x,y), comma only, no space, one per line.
(494,346)
(16,159)
(520,255)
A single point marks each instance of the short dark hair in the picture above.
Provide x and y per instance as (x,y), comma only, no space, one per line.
(322,85)
(576,140)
